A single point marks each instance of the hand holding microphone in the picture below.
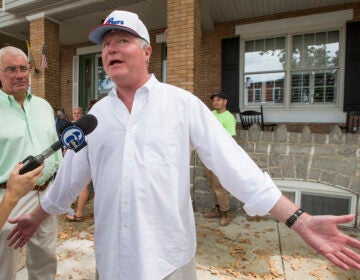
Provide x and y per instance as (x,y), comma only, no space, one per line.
(73,137)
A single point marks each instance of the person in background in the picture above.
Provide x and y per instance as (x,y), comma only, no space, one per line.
(139,160)
(27,128)
(60,121)
(219,193)
(16,187)
(91,103)
(77,113)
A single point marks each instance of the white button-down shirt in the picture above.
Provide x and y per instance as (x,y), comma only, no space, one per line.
(140,166)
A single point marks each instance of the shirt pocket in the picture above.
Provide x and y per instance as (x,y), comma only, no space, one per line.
(161,146)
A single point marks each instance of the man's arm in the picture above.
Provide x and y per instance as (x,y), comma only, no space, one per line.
(322,233)
(16,187)
(57,199)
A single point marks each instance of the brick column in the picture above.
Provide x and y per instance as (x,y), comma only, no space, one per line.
(357,11)
(46,83)
(183,43)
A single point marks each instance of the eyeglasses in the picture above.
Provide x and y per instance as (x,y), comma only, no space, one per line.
(13,69)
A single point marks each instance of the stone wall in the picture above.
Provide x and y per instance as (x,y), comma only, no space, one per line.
(331,159)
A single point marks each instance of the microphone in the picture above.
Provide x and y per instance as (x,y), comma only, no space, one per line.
(73,137)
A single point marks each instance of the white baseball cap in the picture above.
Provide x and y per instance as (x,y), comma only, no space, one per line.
(120,20)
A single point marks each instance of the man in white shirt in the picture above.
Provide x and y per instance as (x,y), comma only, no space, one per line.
(138,158)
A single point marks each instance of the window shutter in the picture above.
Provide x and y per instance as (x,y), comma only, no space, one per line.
(352,67)
(230,72)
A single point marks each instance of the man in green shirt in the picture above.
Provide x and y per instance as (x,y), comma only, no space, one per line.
(27,127)
(220,195)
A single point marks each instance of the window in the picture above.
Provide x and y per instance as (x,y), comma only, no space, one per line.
(314,67)
(264,70)
(319,199)
(309,61)
(104,84)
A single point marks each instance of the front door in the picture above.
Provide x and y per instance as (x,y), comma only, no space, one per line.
(93,81)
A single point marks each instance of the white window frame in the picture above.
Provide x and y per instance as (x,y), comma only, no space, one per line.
(257,97)
(286,111)
(162,38)
(299,187)
(276,94)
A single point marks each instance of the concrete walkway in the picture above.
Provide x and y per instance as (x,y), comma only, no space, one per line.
(246,249)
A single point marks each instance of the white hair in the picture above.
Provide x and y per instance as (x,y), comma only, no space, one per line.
(10,50)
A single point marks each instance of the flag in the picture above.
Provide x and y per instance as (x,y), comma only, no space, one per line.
(43,63)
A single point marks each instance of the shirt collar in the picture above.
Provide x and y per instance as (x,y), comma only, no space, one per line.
(146,88)
(10,99)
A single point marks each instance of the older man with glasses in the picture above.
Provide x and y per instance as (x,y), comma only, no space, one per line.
(27,127)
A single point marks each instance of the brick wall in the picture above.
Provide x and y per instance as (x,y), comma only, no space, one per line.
(210,63)
(66,79)
(46,83)
(155,66)
(181,43)
(332,159)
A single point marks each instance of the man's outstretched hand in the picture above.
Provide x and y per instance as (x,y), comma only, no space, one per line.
(322,234)
(26,225)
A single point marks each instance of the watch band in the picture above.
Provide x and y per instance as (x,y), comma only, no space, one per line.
(294,217)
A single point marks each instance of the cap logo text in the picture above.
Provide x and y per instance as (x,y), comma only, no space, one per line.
(114,22)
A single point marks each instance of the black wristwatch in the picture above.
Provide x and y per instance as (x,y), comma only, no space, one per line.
(294,217)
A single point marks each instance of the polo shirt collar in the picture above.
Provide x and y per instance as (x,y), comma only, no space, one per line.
(10,99)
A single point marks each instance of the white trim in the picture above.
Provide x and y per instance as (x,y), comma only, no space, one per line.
(41,15)
(302,114)
(96,74)
(291,25)
(88,50)
(317,189)
(10,20)
(75,85)
(342,59)
(312,186)
(35,16)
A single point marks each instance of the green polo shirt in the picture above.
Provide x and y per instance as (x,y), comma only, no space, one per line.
(26,132)
(228,121)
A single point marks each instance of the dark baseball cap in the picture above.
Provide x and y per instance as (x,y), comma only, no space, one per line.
(219,94)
